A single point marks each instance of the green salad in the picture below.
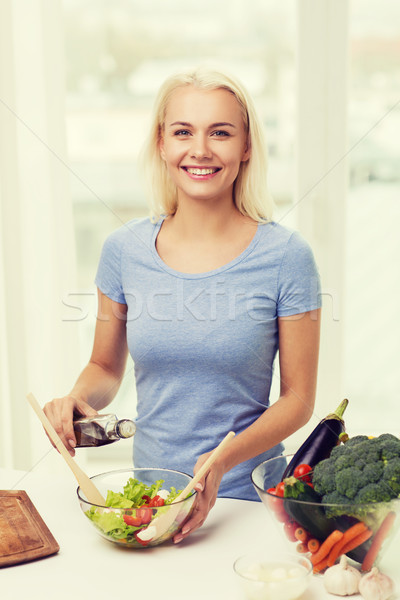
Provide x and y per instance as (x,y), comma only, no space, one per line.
(137,501)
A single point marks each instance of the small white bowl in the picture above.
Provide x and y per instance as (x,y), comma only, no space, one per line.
(283,576)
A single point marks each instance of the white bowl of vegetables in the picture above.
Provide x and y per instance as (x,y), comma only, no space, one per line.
(133,499)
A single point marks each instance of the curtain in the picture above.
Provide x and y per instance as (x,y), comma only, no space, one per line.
(39,350)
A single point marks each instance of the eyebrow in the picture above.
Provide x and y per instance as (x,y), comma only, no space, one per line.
(221,124)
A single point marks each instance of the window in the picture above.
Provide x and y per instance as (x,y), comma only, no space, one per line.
(372,330)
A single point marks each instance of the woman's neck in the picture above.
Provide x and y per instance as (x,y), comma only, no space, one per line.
(201,237)
(200,221)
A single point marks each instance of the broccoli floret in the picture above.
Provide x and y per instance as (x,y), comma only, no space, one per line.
(346,460)
(375,492)
(384,438)
(390,447)
(391,475)
(335,498)
(335,504)
(324,482)
(373,471)
(362,470)
(350,481)
(370,451)
(356,439)
(338,450)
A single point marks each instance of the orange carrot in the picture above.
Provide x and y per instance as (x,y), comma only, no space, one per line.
(326,546)
(348,535)
(320,566)
(313,545)
(377,541)
(301,534)
(301,547)
(357,541)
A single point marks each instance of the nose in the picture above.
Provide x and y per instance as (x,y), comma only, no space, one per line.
(200,147)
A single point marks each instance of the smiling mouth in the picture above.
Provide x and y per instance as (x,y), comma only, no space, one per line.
(199,171)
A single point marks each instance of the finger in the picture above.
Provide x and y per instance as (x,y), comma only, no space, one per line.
(80,407)
(199,487)
(189,527)
(68,434)
(201,484)
(197,519)
(59,412)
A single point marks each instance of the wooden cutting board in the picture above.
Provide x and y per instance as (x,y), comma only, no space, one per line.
(24,536)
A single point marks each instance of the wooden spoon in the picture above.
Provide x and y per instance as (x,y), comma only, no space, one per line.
(160,525)
(86,484)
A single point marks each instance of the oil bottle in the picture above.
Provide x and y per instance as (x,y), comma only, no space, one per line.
(102,429)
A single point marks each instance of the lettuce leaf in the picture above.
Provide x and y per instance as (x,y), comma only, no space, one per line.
(107,521)
(117,500)
(174,493)
(112,524)
(134,490)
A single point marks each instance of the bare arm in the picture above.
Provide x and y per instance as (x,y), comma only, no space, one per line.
(298,359)
(100,379)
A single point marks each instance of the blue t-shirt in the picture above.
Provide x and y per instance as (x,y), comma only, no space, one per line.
(204,344)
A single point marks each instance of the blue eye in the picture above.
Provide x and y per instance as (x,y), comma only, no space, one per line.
(221,133)
(181,132)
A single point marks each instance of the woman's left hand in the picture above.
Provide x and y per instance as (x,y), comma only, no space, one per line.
(207,490)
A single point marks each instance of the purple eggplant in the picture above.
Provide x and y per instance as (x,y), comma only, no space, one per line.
(320,442)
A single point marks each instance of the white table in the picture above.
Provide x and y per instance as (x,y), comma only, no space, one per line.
(89,567)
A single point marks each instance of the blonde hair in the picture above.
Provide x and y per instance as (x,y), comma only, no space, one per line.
(251,194)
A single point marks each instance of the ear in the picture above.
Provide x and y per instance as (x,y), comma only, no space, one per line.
(247,152)
(161,147)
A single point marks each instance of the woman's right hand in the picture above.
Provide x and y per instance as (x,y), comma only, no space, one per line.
(60,413)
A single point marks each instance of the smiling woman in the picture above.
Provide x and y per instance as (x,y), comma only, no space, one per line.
(199,377)
(115,60)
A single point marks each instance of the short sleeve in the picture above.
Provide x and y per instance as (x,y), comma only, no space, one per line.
(108,278)
(299,287)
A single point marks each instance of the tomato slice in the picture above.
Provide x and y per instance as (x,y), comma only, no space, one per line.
(156,501)
(145,514)
(132,520)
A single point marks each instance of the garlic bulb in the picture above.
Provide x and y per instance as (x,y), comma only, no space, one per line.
(342,579)
(376,586)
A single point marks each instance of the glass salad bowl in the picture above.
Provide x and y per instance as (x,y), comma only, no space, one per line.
(134,499)
(308,524)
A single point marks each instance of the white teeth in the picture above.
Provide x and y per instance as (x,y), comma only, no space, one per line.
(201,171)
